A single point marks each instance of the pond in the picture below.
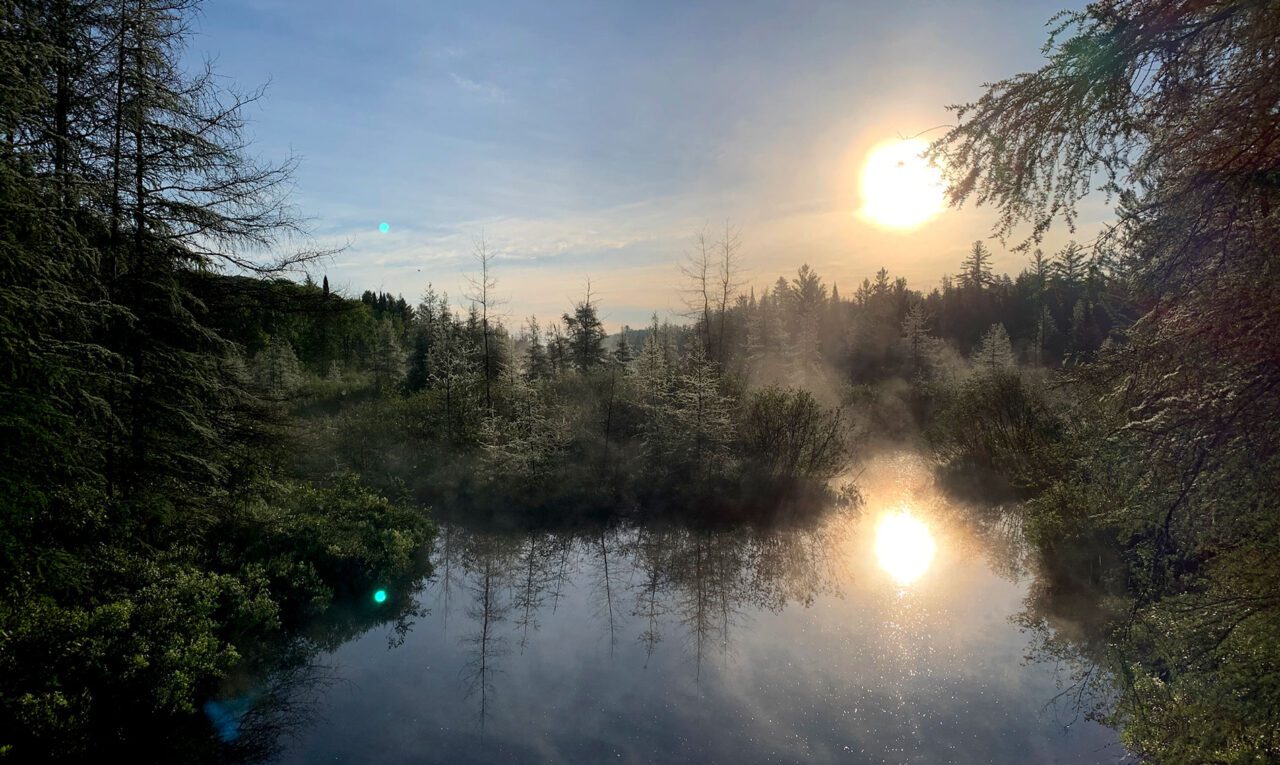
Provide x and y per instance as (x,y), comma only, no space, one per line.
(880,633)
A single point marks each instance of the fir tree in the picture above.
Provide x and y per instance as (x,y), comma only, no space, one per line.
(537,365)
(586,335)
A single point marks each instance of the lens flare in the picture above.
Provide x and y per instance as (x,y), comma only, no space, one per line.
(380,596)
(904,546)
(384,227)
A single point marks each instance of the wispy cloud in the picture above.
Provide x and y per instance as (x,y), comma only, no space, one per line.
(484,90)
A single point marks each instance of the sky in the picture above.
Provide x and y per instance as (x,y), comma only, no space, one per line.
(593,140)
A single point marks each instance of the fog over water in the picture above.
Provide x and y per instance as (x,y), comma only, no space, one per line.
(666,644)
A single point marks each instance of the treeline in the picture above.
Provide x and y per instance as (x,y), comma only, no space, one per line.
(151,537)
(1060,309)
(743,408)
(566,422)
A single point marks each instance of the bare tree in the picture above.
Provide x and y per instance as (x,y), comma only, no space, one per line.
(699,270)
(604,588)
(481,294)
(728,282)
(712,271)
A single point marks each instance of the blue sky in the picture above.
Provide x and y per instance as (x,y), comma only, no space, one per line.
(594,139)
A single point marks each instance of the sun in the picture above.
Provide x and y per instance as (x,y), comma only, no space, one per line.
(899,188)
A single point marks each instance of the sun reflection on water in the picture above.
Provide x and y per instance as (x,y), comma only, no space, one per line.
(904,546)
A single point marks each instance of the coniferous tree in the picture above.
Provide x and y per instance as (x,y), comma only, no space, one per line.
(622,353)
(453,372)
(994,351)
(276,369)
(537,365)
(652,367)
(881,284)
(482,287)
(1070,266)
(1173,107)
(921,346)
(807,291)
(975,271)
(387,362)
(558,352)
(125,182)
(585,335)
(703,416)
(807,299)
(762,331)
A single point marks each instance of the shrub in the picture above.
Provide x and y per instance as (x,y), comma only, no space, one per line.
(786,436)
(1000,424)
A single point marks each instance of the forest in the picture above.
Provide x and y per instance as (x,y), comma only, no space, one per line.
(207,451)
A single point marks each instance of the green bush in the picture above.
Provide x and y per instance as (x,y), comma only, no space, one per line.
(998,424)
(156,631)
(787,436)
(313,543)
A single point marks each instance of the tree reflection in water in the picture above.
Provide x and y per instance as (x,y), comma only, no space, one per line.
(489,562)
(278,694)
(646,633)
(642,581)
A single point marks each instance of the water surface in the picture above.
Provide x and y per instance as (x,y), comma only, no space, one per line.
(878,634)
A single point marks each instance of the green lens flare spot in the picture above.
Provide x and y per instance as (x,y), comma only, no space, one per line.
(384,227)
(380,596)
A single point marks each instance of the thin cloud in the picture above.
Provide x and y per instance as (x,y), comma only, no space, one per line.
(485,91)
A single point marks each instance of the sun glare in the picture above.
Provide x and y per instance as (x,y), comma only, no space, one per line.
(900,189)
(904,546)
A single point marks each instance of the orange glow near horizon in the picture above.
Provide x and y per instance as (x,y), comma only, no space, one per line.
(899,189)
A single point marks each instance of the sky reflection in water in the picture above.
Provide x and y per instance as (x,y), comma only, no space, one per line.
(842,642)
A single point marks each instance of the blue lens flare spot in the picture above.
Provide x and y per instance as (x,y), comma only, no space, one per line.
(384,227)
(380,596)
(225,715)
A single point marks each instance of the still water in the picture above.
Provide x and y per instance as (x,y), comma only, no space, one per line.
(883,633)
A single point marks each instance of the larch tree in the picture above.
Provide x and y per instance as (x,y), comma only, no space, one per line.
(482,295)
(1171,110)
(728,282)
(131,427)
(699,272)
